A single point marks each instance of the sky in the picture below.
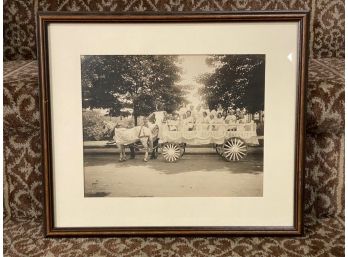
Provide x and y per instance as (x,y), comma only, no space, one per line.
(193,66)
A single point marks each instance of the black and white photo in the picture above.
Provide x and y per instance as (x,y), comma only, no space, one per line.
(183,124)
(173,125)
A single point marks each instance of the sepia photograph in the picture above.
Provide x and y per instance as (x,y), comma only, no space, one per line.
(173,125)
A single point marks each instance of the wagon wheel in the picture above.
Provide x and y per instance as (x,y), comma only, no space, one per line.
(171,152)
(234,149)
(219,150)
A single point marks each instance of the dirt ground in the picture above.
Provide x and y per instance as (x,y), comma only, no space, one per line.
(195,175)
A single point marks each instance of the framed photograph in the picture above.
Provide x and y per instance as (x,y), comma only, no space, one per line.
(173,124)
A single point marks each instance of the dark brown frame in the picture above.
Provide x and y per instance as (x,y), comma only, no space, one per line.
(45,18)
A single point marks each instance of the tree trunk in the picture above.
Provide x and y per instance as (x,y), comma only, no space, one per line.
(135,119)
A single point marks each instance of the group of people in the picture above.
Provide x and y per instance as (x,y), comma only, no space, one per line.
(198,118)
(186,119)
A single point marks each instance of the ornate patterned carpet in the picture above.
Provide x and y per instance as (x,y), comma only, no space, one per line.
(324,178)
(324,237)
(327,18)
(324,187)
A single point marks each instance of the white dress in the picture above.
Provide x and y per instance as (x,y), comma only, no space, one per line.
(189,123)
(219,124)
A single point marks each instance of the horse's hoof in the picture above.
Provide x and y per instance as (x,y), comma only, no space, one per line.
(145,160)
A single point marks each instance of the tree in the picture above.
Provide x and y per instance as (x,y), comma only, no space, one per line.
(144,83)
(98,83)
(238,80)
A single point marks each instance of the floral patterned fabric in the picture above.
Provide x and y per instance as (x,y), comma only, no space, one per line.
(324,182)
(325,96)
(326,31)
(323,238)
(324,171)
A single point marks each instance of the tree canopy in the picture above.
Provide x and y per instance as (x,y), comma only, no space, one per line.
(143,83)
(238,80)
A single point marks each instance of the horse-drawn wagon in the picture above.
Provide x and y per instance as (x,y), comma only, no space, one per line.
(230,142)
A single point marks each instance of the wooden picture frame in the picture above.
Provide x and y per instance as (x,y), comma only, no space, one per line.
(45,19)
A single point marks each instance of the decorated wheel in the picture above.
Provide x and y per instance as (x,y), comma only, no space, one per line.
(234,149)
(171,152)
(219,150)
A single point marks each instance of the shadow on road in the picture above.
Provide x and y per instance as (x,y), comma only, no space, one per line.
(97,194)
(253,163)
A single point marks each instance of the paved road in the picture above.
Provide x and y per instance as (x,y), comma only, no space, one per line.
(192,176)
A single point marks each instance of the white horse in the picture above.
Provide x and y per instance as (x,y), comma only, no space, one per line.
(145,134)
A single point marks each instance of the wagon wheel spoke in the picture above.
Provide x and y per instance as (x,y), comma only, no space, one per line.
(229,155)
(234,149)
(171,152)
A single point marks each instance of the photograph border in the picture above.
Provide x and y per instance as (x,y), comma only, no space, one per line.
(46,18)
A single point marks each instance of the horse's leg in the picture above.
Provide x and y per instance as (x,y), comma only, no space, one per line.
(149,143)
(156,153)
(120,147)
(154,148)
(146,156)
(122,152)
(146,148)
(132,151)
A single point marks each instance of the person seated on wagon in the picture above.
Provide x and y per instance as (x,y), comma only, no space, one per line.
(219,123)
(189,122)
(211,120)
(198,118)
(205,121)
(198,113)
(243,117)
(182,110)
(224,114)
(173,123)
(238,113)
(202,122)
(219,109)
(206,109)
(231,118)
(192,110)
(181,122)
(256,116)
(213,112)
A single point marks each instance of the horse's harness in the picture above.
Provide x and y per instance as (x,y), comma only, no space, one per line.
(141,130)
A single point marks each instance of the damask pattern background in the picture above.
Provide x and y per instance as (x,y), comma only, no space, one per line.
(324,188)
(326,32)
(324,171)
